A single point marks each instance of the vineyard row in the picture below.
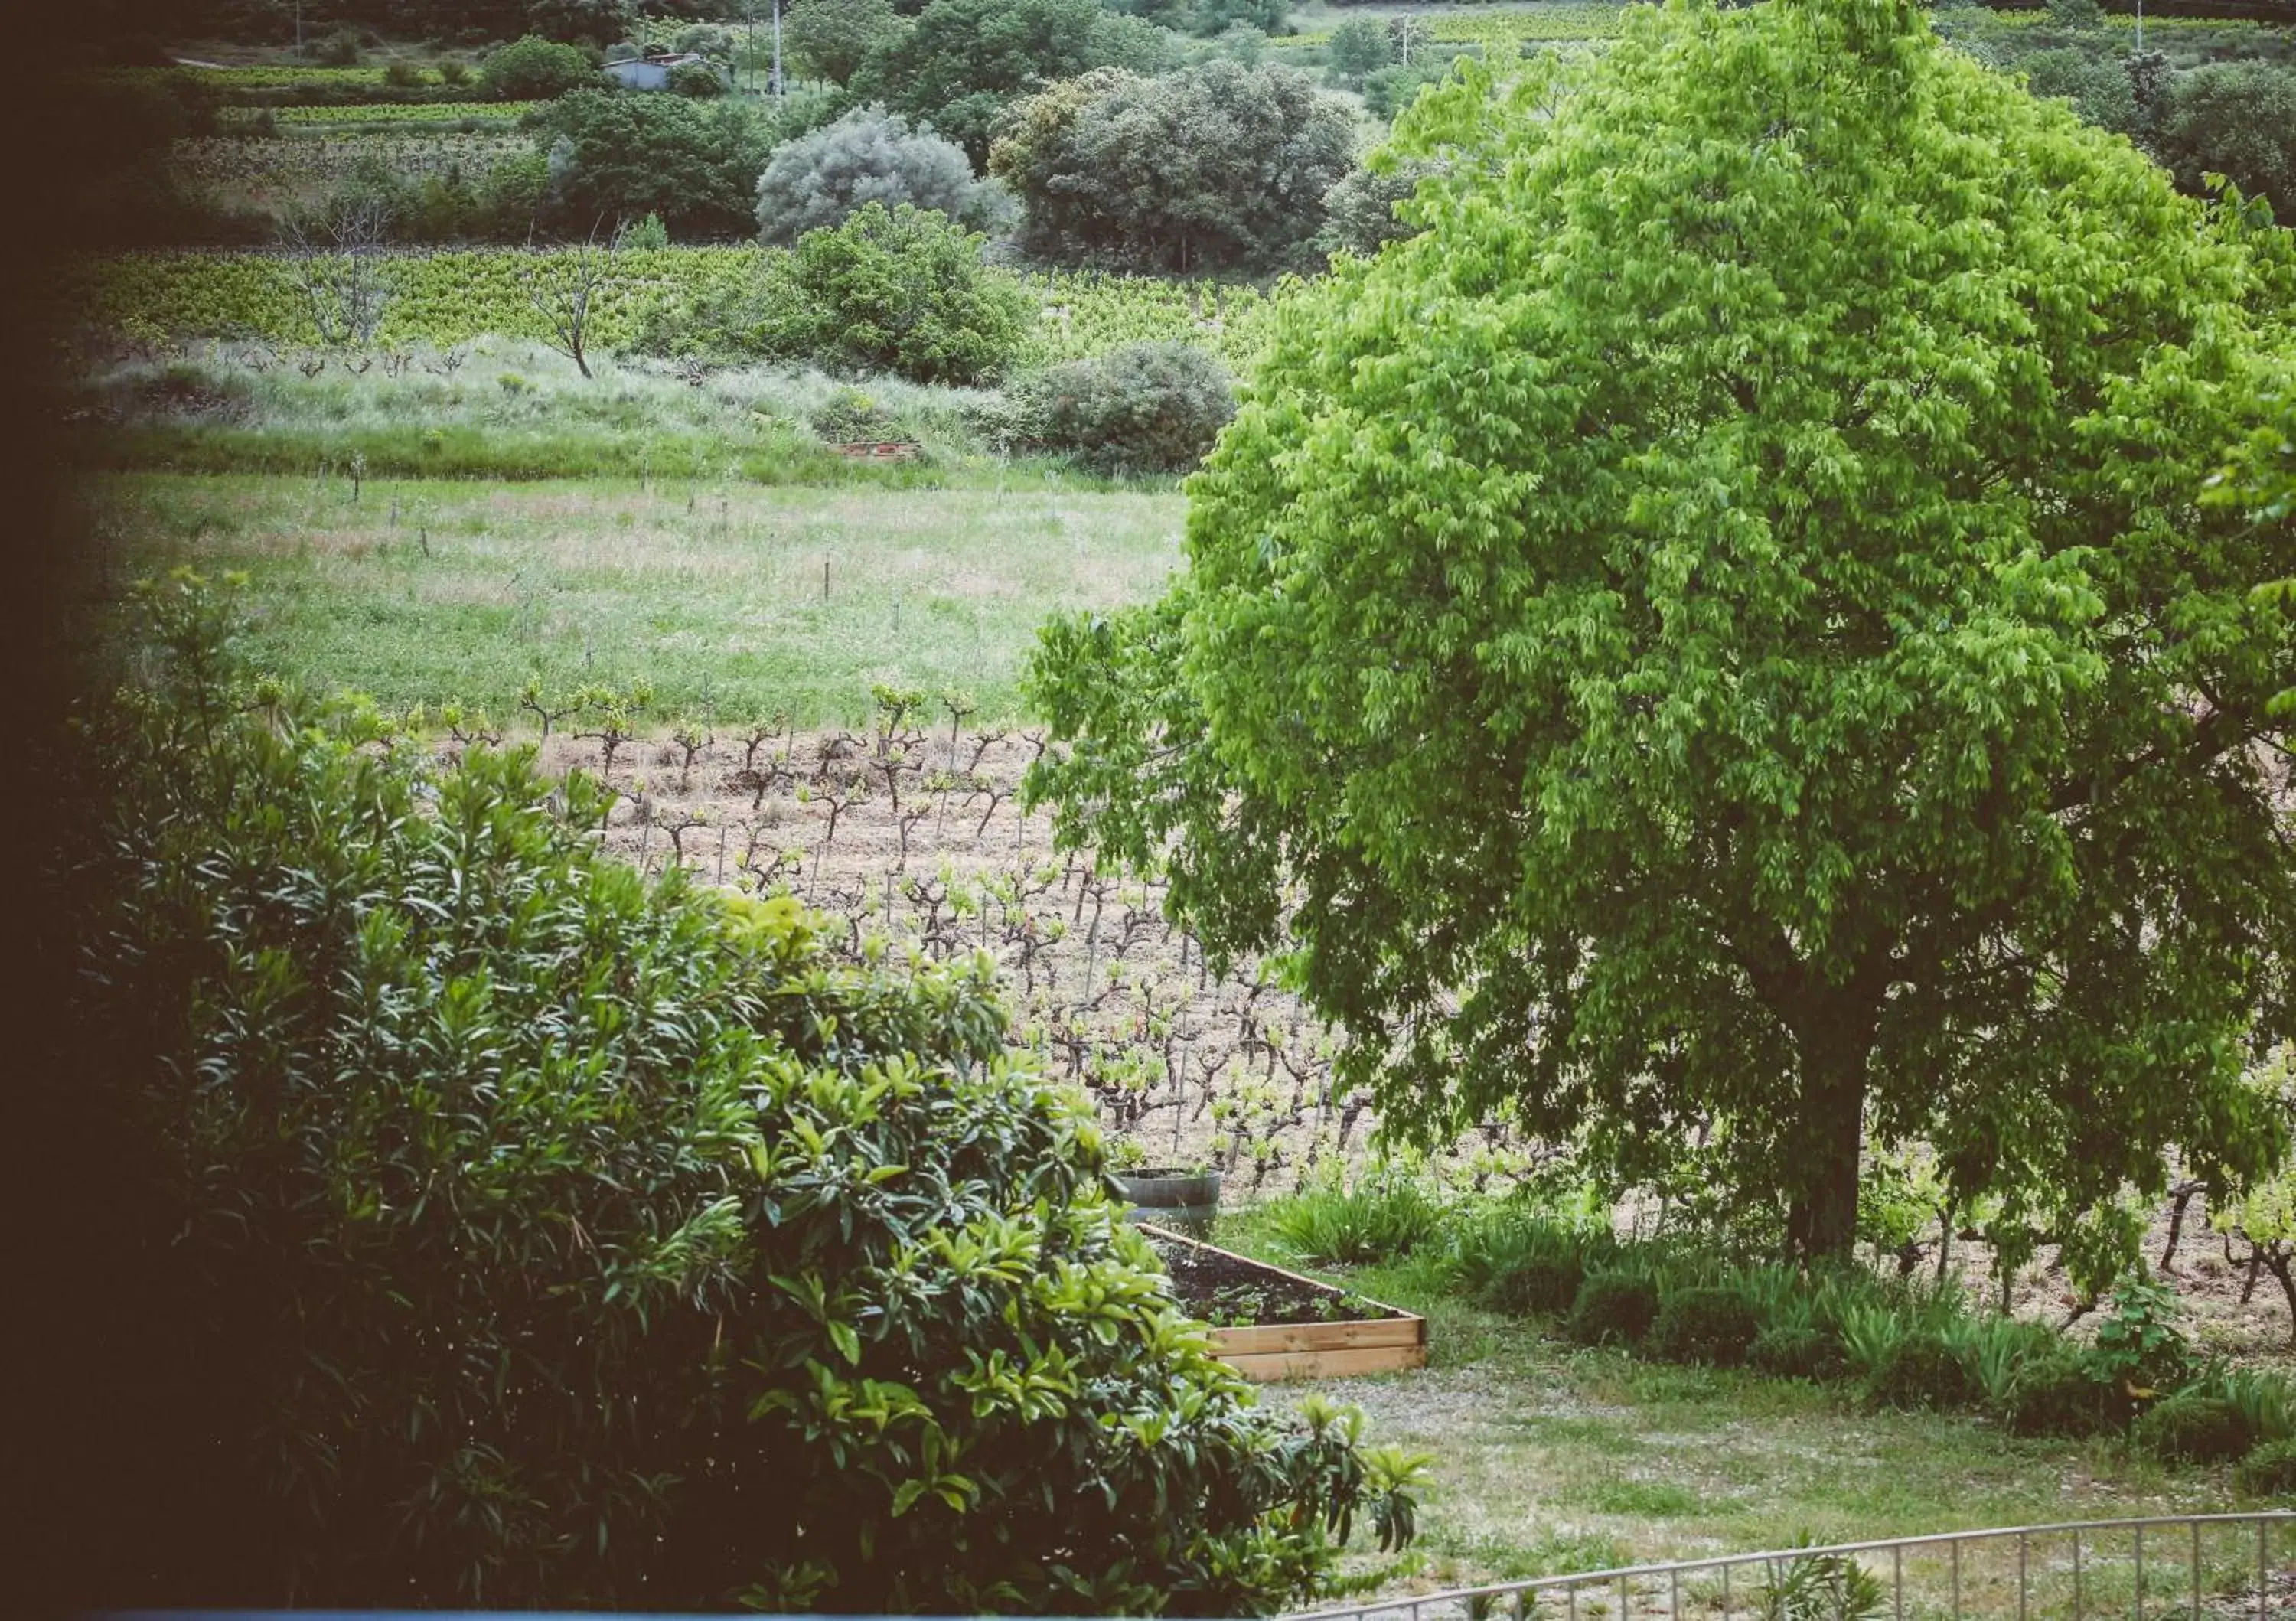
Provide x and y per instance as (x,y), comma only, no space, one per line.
(452,298)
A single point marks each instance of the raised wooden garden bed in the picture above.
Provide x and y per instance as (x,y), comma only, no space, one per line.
(1270,1323)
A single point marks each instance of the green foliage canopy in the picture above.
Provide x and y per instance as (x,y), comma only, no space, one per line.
(900,290)
(517,1230)
(962,61)
(594,23)
(1359,46)
(615,156)
(833,38)
(536,70)
(1143,408)
(1718,632)
(1217,166)
(1207,19)
(867,156)
(2237,120)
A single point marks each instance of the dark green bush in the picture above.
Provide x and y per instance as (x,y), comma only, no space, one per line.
(1360,211)
(2195,1428)
(851,415)
(1797,1350)
(524,1232)
(902,290)
(1387,91)
(1540,1286)
(340,49)
(535,70)
(2269,1471)
(1217,168)
(1920,1370)
(615,156)
(1612,1308)
(1715,1326)
(2096,82)
(1145,407)
(961,63)
(1356,47)
(1511,1261)
(2236,119)
(2063,1394)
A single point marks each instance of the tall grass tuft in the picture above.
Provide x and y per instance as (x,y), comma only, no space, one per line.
(1383,1217)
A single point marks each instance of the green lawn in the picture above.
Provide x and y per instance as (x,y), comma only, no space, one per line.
(1552,1459)
(426,591)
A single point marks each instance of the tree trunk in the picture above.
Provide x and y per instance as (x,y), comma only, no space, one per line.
(2279,1262)
(1829,1145)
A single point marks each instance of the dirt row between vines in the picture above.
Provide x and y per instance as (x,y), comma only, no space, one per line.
(929,845)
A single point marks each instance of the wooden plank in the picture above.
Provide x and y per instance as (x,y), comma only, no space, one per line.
(1312,1350)
(1248,1260)
(1329,1364)
(1231,1343)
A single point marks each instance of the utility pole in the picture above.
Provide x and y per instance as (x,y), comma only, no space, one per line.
(2140,24)
(778,92)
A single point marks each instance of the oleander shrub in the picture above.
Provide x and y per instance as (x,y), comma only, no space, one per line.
(1716,1326)
(1143,408)
(2195,1428)
(1612,1307)
(2269,1471)
(525,1232)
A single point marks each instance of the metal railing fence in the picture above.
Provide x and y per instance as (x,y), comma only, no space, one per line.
(2198,1565)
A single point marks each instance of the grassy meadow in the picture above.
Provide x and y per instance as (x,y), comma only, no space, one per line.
(1551,1458)
(731,598)
(446,532)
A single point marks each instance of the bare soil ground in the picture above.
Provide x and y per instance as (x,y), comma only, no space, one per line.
(913,833)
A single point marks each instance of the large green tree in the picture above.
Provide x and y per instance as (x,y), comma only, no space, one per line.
(2238,119)
(1217,166)
(962,61)
(623,157)
(833,38)
(1718,632)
